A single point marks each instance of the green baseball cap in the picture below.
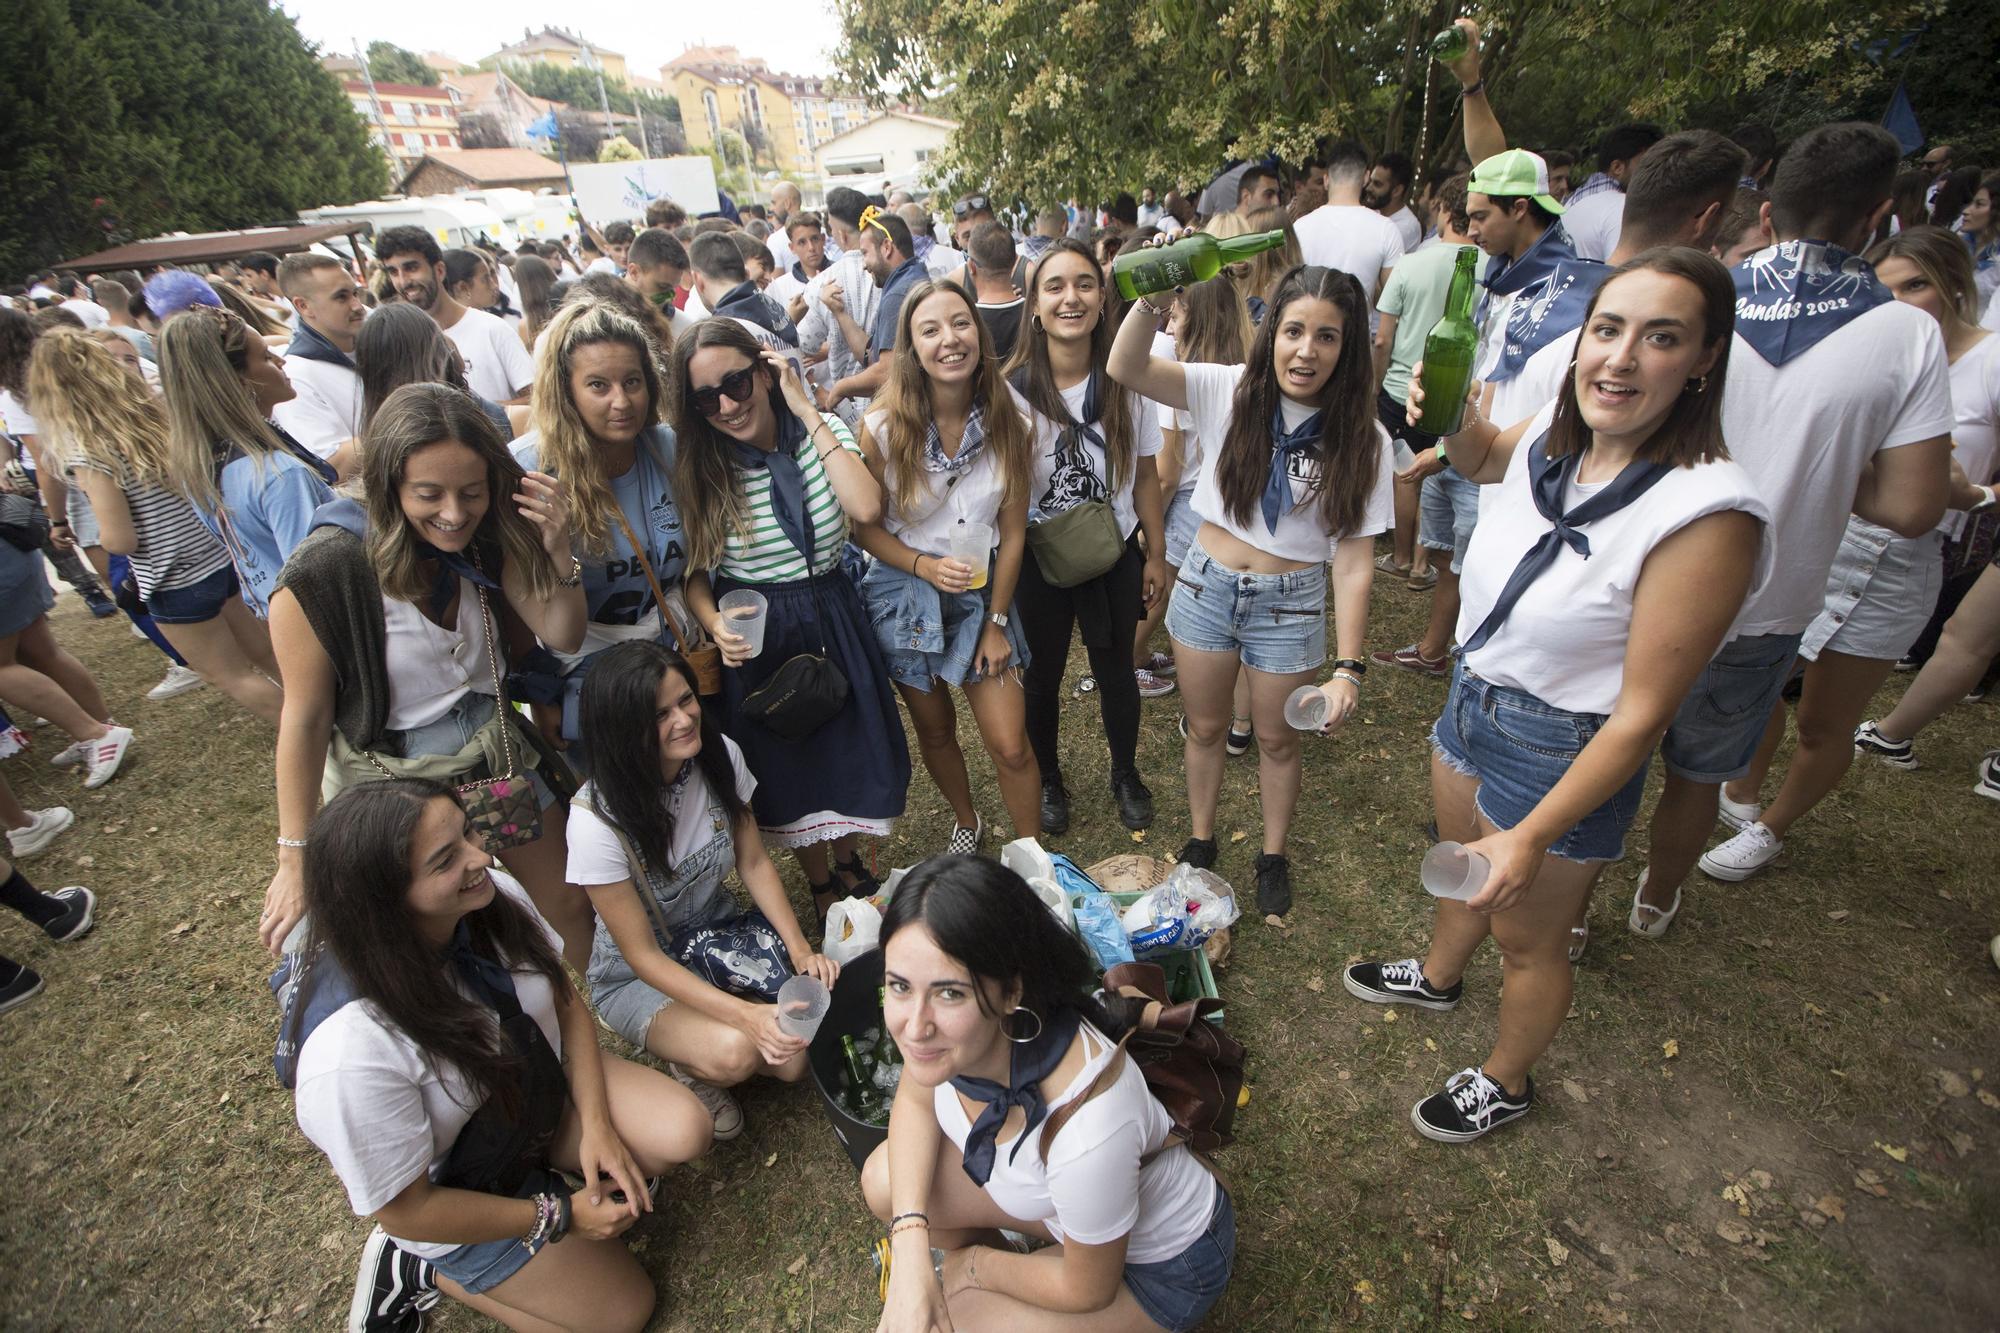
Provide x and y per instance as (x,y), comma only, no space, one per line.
(1512,174)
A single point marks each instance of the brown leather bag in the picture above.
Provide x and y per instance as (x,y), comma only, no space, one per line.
(1192,1066)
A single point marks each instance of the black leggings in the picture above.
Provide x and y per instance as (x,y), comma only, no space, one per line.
(1048,619)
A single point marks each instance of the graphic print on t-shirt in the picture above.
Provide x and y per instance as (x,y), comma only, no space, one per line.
(1072,481)
(631,594)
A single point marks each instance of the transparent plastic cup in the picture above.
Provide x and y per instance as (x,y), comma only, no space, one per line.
(1450,871)
(802,1004)
(1307,709)
(972,544)
(747,613)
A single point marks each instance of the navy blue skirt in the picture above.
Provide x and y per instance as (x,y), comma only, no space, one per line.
(853,774)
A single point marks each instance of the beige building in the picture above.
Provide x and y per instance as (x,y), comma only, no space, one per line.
(412,120)
(719,89)
(555,46)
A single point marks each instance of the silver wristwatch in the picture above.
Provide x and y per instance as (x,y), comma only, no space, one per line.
(999,618)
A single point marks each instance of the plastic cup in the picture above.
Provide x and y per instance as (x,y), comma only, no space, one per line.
(802,1004)
(747,613)
(1450,871)
(972,544)
(1307,709)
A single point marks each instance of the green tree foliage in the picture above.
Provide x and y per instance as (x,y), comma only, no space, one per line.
(121,119)
(578,87)
(618,149)
(390,63)
(1061,98)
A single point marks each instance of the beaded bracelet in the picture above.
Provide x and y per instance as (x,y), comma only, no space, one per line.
(291,842)
(901,1217)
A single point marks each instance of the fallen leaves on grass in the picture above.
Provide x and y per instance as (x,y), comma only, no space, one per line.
(1837,917)
(1389,1017)
(1558,1252)
(1577,1092)
(1951,1082)
(1138,835)
(1315,983)
(1893,1152)
(1670,1047)
(1238,836)
(796,1266)
(1275,922)
(1961,1143)
(1831,1206)
(1987,1099)
(1871,1181)
(1366,1291)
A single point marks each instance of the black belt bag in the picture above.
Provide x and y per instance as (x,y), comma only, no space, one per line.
(804,693)
(499,1152)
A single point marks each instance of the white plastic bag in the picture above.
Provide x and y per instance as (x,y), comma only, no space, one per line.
(1025,857)
(1053,898)
(853,927)
(1180,913)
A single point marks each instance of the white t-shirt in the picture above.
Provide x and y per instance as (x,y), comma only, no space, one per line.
(1540,380)
(93,315)
(1593,223)
(603,264)
(430,668)
(1092,1189)
(1354,240)
(1059,483)
(496,365)
(1301,535)
(597,856)
(1975,436)
(325,411)
(1564,642)
(1991,319)
(1805,431)
(1411,230)
(16,420)
(383,1116)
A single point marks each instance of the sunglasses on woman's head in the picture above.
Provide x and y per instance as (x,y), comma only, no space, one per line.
(738,384)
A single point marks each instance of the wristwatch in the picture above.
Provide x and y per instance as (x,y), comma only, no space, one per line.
(998,618)
(575,574)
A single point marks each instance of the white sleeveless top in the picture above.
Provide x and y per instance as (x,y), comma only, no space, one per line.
(944,499)
(431,667)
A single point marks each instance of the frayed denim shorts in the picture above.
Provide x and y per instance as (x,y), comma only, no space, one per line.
(1275,622)
(1177,1293)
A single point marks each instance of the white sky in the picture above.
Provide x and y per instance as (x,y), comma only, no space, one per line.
(793,35)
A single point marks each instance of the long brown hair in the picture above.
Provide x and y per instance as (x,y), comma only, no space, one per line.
(1269,267)
(1349,452)
(711,498)
(90,403)
(399,345)
(1213,325)
(419,415)
(537,283)
(1691,431)
(204,351)
(906,400)
(357,883)
(1036,378)
(566,448)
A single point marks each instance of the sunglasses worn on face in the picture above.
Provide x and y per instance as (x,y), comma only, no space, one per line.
(738,384)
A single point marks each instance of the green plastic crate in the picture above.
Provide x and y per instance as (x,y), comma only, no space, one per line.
(1178,965)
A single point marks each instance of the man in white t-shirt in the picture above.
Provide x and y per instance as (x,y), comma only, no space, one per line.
(786,202)
(1345,233)
(805,249)
(497,366)
(844,342)
(1388,193)
(76,300)
(1838,400)
(325,412)
(1593,208)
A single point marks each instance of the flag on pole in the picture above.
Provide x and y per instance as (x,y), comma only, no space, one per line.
(1901,120)
(545,128)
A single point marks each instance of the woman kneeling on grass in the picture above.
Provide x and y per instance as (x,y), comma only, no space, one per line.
(1611,560)
(1016,1110)
(668,807)
(447,1068)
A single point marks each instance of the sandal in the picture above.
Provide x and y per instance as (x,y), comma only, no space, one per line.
(865,884)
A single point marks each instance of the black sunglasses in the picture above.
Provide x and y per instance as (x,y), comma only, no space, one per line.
(972,203)
(738,384)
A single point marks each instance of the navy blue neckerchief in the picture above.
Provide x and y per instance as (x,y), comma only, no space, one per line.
(744,301)
(1554,288)
(451,567)
(1028,1064)
(309,344)
(1791,296)
(1277,497)
(1073,432)
(1547,480)
(788,481)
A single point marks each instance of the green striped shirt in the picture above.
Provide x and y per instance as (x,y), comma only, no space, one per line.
(765,554)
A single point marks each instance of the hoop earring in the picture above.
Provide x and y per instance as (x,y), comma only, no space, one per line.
(1699,384)
(1023,1041)
(1036,320)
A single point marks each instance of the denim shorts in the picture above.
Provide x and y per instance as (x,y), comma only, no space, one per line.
(1879,594)
(482,1266)
(1449,510)
(82,518)
(1714,735)
(195,604)
(1176,1293)
(1276,622)
(450,733)
(1182,524)
(1518,748)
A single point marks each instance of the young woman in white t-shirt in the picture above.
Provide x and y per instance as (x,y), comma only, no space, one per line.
(667,812)
(1017,1110)
(445,1065)
(950,448)
(1614,551)
(1298,476)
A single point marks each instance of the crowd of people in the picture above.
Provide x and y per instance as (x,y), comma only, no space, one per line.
(575,581)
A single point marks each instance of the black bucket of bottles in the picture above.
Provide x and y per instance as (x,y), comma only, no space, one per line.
(856,1007)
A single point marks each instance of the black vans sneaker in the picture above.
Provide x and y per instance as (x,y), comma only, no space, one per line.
(1198,852)
(1470,1105)
(1399,983)
(391,1289)
(1274,884)
(1868,739)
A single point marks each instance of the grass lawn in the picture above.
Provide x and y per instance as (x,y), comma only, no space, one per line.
(1785,1115)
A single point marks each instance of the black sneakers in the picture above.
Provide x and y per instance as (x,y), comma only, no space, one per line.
(1055,806)
(1399,983)
(17,990)
(1135,801)
(1869,740)
(1470,1105)
(1198,852)
(391,1289)
(1274,885)
(80,908)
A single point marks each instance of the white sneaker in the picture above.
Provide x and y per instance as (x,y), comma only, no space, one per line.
(1738,815)
(70,756)
(43,827)
(1989,777)
(965,841)
(1646,919)
(1743,855)
(720,1105)
(178,680)
(137,633)
(107,754)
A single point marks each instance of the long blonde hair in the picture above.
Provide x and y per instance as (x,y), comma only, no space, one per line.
(97,408)
(566,448)
(415,417)
(906,399)
(203,354)
(1227,226)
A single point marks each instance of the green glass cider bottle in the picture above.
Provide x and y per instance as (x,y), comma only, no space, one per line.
(1449,351)
(1191,259)
(1450,44)
(864,1103)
